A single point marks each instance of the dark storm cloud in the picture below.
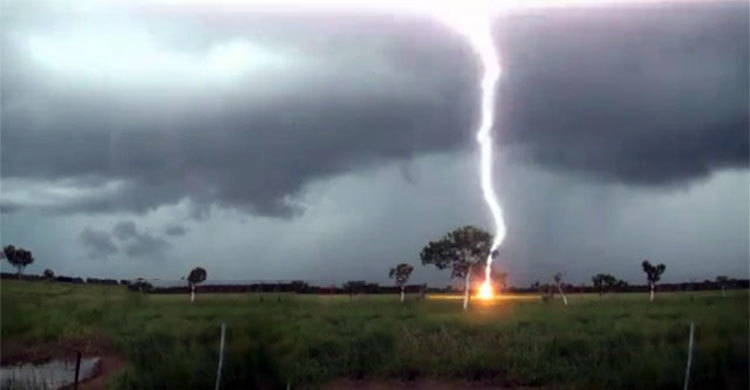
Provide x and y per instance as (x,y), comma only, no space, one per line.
(124,230)
(146,245)
(650,95)
(98,243)
(175,230)
(653,96)
(138,244)
(9,207)
(133,242)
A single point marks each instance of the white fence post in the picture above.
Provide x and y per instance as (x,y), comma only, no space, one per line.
(221,356)
(690,355)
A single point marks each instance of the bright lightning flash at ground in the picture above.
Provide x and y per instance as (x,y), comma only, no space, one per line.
(486,291)
(495,298)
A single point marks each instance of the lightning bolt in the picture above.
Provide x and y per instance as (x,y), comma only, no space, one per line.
(484,45)
(478,31)
(473,19)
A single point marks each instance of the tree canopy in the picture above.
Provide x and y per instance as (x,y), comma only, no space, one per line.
(604,282)
(458,250)
(17,257)
(197,275)
(401,273)
(653,272)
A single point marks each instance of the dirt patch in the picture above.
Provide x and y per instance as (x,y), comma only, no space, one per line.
(426,384)
(14,352)
(108,366)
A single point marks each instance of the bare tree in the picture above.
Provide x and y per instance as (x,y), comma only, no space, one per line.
(558,282)
(401,273)
(653,275)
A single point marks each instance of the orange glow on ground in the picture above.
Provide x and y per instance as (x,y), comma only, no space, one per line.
(499,297)
(485,291)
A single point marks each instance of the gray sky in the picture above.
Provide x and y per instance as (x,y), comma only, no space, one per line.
(142,141)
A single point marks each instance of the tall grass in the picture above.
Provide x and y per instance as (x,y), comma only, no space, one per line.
(618,342)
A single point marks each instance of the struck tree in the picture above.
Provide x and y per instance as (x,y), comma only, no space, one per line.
(48,274)
(17,257)
(463,250)
(401,274)
(558,282)
(196,276)
(653,275)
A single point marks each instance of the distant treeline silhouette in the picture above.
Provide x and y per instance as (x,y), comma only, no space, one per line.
(362,287)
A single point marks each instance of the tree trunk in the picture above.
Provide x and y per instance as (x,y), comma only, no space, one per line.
(467,285)
(651,295)
(565,300)
(192,293)
(402,294)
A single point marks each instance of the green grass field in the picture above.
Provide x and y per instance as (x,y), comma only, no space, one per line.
(619,342)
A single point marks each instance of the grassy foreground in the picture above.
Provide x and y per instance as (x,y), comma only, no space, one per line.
(618,342)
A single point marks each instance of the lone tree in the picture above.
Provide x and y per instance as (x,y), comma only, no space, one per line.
(17,257)
(463,250)
(401,273)
(197,275)
(48,274)
(653,275)
(558,282)
(603,283)
(722,280)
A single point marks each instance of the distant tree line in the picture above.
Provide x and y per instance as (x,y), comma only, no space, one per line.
(352,288)
(462,251)
(362,287)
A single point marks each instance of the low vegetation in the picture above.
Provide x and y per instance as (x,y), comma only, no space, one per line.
(619,341)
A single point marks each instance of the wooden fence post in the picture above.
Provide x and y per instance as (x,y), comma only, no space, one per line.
(690,355)
(221,356)
(78,369)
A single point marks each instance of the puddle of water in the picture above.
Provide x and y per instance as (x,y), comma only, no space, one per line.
(51,375)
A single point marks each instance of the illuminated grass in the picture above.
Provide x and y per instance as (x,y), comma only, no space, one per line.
(615,342)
